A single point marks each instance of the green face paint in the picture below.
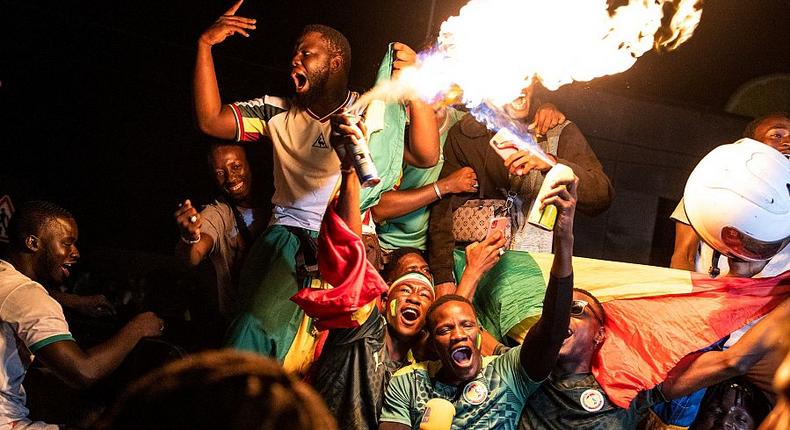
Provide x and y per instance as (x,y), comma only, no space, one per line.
(393,306)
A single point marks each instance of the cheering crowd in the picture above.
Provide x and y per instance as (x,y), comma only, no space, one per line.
(363,307)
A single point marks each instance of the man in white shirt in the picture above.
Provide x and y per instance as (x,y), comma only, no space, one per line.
(42,249)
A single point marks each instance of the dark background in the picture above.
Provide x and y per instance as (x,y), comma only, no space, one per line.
(95,101)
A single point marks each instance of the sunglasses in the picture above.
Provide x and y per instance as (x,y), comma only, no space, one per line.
(577,310)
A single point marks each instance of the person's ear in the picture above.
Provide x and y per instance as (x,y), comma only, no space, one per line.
(336,63)
(33,243)
(600,336)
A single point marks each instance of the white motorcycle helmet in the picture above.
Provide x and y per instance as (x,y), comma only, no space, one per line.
(737,199)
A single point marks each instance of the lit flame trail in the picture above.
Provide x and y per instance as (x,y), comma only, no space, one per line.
(495,48)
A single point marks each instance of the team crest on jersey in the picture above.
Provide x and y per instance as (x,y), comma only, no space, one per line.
(475,392)
(320,142)
(6,211)
(592,400)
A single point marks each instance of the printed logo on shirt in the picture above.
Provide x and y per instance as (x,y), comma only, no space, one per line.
(475,392)
(592,400)
(320,142)
(6,211)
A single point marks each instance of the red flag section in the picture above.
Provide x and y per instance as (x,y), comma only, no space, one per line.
(343,264)
(647,336)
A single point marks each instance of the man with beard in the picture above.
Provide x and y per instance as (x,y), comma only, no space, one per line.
(42,249)
(306,171)
(488,392)
(226,228)
(358,360)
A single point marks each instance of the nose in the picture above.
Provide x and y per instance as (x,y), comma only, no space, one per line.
(296,60)
(75,253)
(458,334)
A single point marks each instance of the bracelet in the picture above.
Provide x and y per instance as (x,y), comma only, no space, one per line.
(190,241)
(436,190)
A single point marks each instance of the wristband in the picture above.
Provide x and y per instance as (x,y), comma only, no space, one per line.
(190,241)
(436,190)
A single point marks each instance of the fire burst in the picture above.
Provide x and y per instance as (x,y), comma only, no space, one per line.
(495,48)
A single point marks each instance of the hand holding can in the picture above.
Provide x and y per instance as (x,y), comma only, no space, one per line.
(350,142)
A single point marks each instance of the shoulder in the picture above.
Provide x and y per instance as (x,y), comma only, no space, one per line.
(12,282)
(467,127)
(425,368)
(264,107)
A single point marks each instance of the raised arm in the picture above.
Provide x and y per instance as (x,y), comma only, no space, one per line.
(422,148)
(80,369)
(550,331)
(212,117)
(192,246)
(346,132)
(767,337)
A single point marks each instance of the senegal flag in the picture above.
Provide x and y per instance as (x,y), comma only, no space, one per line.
(656,316)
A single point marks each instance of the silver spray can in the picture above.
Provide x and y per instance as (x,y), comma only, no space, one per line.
(363,162)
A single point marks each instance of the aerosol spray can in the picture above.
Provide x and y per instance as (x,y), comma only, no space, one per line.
(363,162)
(546,218)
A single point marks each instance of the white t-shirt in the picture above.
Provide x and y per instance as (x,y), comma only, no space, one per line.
(306,168)
(30,319)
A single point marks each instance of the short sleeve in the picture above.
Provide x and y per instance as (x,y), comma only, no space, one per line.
(252,117)
(397,401)
(508,366)
(214,224)
(679,214)
(35,316)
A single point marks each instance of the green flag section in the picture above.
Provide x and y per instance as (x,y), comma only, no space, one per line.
(386,145)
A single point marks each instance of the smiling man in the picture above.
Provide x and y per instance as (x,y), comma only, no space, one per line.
(487,392)
(43,247)
(225,229)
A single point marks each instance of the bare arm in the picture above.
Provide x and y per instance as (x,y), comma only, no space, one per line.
(549,332)
(213,118)
(397,203)
(686,245)
(191,254)
(709,368)
(423,146)
(80,369)
(480,258)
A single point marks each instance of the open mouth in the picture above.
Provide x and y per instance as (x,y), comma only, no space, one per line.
(236,187)
(300,81)
(462,356)
(410,314)
(66,269)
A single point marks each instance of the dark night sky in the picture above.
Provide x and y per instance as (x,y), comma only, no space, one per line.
(95,98)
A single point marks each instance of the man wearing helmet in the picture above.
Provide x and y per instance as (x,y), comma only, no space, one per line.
(692,254)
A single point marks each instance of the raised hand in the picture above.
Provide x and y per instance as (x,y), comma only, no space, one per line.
(546,118)
(189,221)
(347,129)
(563,196)
(404,57)
(227,25)
(522,162)
(482,256)
(463,180)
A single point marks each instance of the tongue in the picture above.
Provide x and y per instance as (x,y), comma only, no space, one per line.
(460,356)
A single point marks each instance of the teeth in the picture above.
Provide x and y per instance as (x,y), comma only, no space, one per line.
(410,314)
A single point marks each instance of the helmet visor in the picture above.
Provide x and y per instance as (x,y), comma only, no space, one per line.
(749,248)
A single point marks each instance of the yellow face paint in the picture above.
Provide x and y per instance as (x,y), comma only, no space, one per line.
(393,306)
(479,341)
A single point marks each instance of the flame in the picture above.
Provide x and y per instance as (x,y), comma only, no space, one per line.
(495,48)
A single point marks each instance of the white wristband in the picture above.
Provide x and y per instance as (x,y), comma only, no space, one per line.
(190,241)
(436,190)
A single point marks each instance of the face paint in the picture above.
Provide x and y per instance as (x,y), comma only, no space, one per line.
(479,341)
(393,306)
